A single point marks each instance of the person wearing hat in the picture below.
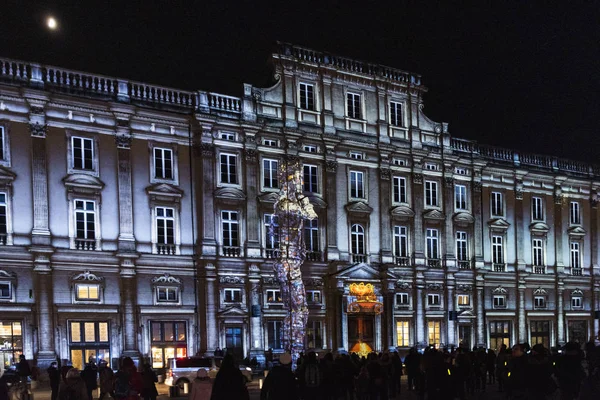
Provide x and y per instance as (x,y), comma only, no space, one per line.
(201,386)
(281,381)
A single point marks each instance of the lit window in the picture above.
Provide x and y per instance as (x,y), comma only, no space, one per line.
(497,204)
(87,292)
(228,168)
(537,209)
(499,301)
(357,237)
(167,294)
(168,340)
(399,189)
(356,184)
(464,300)
(576,302)
(396,114)
(233,295)
(314,335)
(311,234)
(462,253)
(353,104)
(271,232)
(311,178)
(270,173)
(431,194)
(400,241)
(402,299)
(460,197)
(539,301)
(403,333)
(163,163)
(5,290)
(432,244)
(313,296)
(83,153)
(575,213)
(433,299)
(434,332)
(273,296)
(307,97)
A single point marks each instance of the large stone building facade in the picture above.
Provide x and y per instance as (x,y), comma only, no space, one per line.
(135,219)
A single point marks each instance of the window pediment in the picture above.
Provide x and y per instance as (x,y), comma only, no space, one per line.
(576,231)
(83,183)
(233,311)
(434,215)
(539,228)
(268,198)
(498,224)
(577,292)
(164,192)
(463,218)
(540,291)
(166,279)
(359,207)
(6,176)
(466,313)
(317,201)
(7,275)
(499,290)
(87,277)
(230,194)
(402,212)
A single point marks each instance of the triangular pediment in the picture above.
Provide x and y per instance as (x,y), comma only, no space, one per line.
(463,218)
(435,215)
(317,202)
(230,193)
(361,272)
(498,224)
(164,192)
(83,181)
(358,207)
(576,231)
(466,314)
(402,212)
(6,176)
(268,198)
(539,227)
(233,311)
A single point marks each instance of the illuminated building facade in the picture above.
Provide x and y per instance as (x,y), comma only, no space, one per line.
(135,219)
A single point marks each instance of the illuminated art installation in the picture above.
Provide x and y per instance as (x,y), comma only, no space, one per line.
(363,299)
(291,209)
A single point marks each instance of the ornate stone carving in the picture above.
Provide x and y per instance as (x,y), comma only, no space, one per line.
(449,180)
(518,194)
(236,280)
(577,292)
(418,179)
(122,123)
(435,286)
(270,280)
(257,94)
(403,285)
(331,166)
(250,139)
(7,275)
(123,141)
(386,174)
(559,199)
(464,288)
(313,282)
(499,290)
(208,150)
(88,276)
(36,110)
(250,155)
(519,189)
(594,200)
(291,158)
(540,291)
(38,130)
(477,186)
(166,279)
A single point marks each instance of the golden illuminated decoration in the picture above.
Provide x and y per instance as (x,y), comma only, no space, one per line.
(364,299)
(361,348)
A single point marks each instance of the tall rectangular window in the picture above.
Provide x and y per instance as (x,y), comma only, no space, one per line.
(232,295)
(311,178)
(87,292)
(83,153)
(354,108)
(432,244)
(356,184)
(270,173)
(165,225)
(537,208)
(3,215)
(399,188)
(575,213)
(462,253)
(575,255)
(307,97)
(497,204)
(311,234)
(497,250)
(403,333)
(434,332)
(271,232)
(396,118)
(314,335)
(537,247)
(163,163)
(228,168)
(400,241)
(230,228)
(499,334)
(85,219)
(274,334)
(460,197)
(431,194)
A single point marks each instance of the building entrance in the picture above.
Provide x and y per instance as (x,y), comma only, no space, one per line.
(361,337)
(88,339)
(464,336)
(233,342)
(11,342)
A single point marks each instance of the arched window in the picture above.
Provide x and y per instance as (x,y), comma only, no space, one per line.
(358,239)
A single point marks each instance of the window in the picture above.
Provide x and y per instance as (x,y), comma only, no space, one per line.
(399,189)
(497,204)
(499,334)
(87,292)
(497,250)
(230,227)
(460,171)
(3,144)
(311,178)
(270,173)
(168,340)
(575,213)
(3,218)
(314,335)
(403,333)
(434,329)
(431,167)
(85,219)
(537,247)
(462,253)
(274,334)
(310,148)
(227,136)
(229,168)
(313,296)
(460,197)
(273,296)
(402,299)
(311,235)
(433,299)
(575,255)
(576,302)
(165,226)
(356,156)
(431,196)
(539,302)
(5,290)
(233,295)
(540,333)
(165,294)
(356,184)
(271,232)
(396,118)
(270,143)
(163,163)
(537,209)
(400,162)
(499,301)
(464,300)
(307,97)
(354,108)
(358,239)
(82,153)
(88,339)
(432,244)
(400,241)
(11,337)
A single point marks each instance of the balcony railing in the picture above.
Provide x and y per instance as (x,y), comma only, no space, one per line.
(314,256)
(272,253)
(85,244)
(359,258)
(497,267)
(434,263)
(3,239)
(465,264)
(402,261)
(576,272)
(231,251)
(537,269)
(165,249)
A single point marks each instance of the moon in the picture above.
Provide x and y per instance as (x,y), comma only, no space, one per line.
(52,23)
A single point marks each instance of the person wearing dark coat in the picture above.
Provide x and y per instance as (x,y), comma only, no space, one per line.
(413,365)
(539,371)
(4,387)
(90,377)
(280,383)
(517,376)
(569,371)
(73,388)
(54,377)
(149,379)
(229,383)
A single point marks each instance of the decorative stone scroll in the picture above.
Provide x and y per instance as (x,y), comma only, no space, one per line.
(435,286)
(464,288)
(38,130)
(418,179)
(331,166)
(386,174)
(540,291)
(499,290)
(234,280)
(166,279)
(123,141)
(403,285)
(87,276)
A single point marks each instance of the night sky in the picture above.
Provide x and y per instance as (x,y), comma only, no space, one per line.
(518,74)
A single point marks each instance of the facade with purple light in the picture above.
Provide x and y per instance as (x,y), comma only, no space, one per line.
(137,219)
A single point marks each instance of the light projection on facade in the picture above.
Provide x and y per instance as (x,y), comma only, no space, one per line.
(291,209)
(363,300)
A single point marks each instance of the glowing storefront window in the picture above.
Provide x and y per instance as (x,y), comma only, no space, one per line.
(89,332)
(103,331)
(11,342)
(168,341)
(88,340)
(402,332)
(75,332)
(434,328)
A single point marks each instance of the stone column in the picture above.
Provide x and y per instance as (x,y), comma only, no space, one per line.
(209,214)
(522,329)
(252,215)
(333,253)
(129,314)
(212,334)
(476,206)
(450,283)
(40,235)
(417,198)
(519,227)
(256,332)
(480,286)
(123,142)
(385,205)
(388,312)
(343,322)
(560,318)
(558,228)
(448,238)
(421,335)
(44,306)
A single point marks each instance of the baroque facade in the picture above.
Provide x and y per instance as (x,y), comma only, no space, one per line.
(136,219)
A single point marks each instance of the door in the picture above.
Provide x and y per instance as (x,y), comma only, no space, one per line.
(233,342)
(464,336)
(361,332)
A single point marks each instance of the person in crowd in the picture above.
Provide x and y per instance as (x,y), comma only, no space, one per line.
(309,377)
(490,366)
(128,381)
(569,371)
(377,378)
(74,387)
(90,377)
(280,383)
(516,382)
(229,383)
(107,380)
(328,377)
(4,387)
(361,384)
(396,386)
(54,378)
(413,365)
(387,370)
(539,374)
(201,386)
(149,380)
(502,367)
(23,369)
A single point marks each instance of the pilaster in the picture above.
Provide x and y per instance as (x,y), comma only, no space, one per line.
(558,228)
(123,140)
(129,315)
(252,182)
(480,287)
(206,195)
(450,284)
(331,167)
(256,331)
(519,226)
(44,306)
(212,334)
(522,327)
(449,255)
(40,235)
(476,206)
(420,337)
(417,198)
(385,206)
(560,317)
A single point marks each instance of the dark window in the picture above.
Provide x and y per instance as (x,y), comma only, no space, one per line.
(274,333)
(307,97)
(163,163)
(83,153)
